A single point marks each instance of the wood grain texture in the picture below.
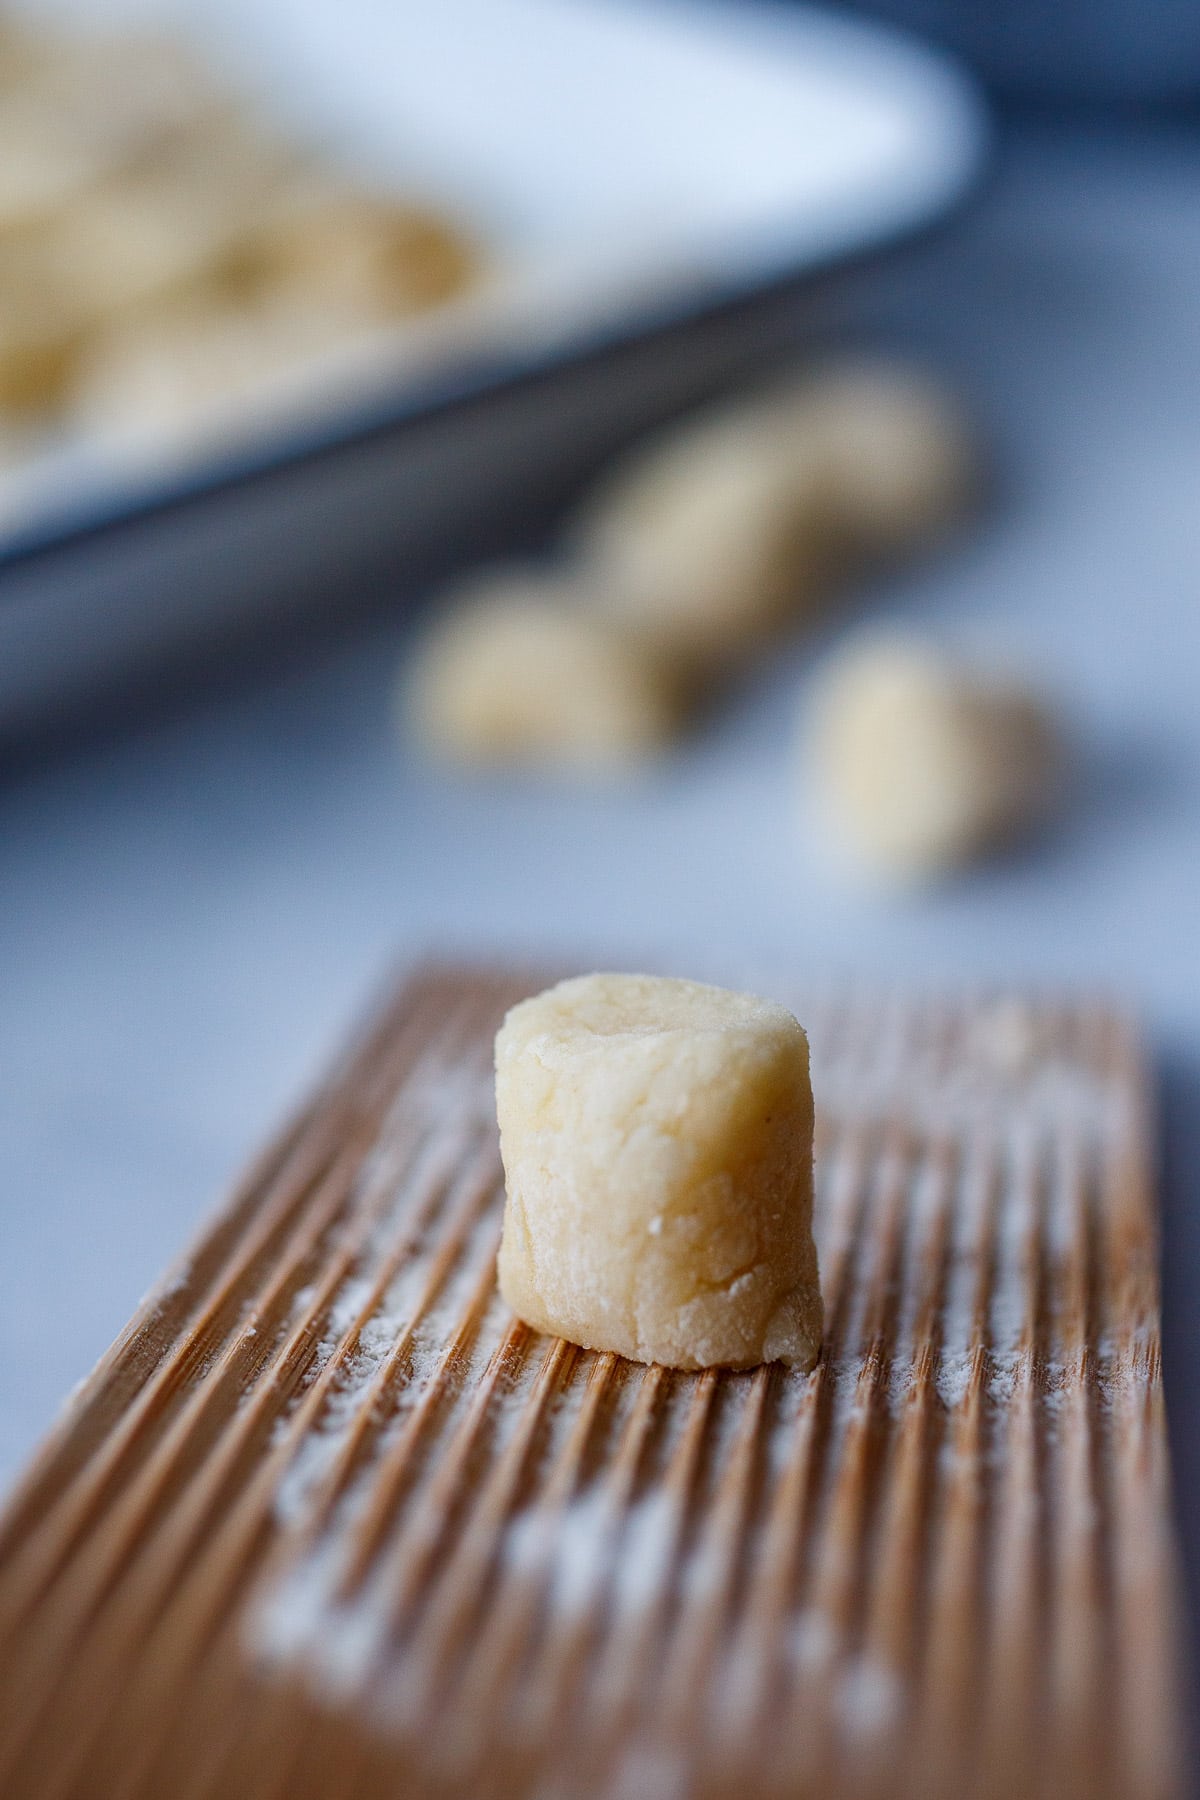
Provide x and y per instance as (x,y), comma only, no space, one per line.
(326,1521)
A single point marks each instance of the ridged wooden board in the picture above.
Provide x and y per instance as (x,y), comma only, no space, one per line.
(327,1522)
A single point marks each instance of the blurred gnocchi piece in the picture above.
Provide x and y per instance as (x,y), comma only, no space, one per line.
(140,241)
(726,528)
(516,672)
(197,366)
(138,198)
(921,764)
(899,462)
(74,112)
(691,555)
(39,350)
(320,276)
(327,247)
(708,540)
(158,230)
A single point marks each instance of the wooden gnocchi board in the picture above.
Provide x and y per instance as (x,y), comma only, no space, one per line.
(327,1522)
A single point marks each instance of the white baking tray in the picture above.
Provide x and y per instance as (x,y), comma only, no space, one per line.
(639,171)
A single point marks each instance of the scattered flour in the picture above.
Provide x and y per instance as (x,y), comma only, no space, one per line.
(868,1698)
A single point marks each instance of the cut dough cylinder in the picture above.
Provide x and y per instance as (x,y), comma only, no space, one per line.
(657,1145)
(518,672)
(708,540)
(921,764)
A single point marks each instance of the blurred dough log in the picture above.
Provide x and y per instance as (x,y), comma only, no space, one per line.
(708,539)
(725,528)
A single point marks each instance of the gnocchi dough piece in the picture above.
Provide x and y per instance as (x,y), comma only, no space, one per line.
(199,365)
(347,252)
(518,672)
(143,239)
(24,50)
(896,454)
(39,354)
(172,221)
(83,110)
(163,249)
(657,1145)
(708,540)
(922,764)
(42,167)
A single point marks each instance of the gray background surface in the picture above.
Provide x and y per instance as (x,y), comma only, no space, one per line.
(189,918)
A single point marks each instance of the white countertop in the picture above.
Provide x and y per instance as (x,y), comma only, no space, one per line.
(189,919)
